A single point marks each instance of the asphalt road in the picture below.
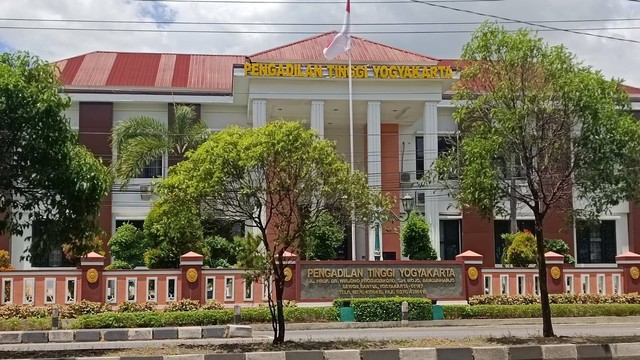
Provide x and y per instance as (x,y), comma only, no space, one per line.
(621,329)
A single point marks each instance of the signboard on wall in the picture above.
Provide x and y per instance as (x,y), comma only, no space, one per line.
(324,282)
(341,71)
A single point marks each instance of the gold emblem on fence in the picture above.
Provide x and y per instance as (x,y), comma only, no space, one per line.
(555,273)
(288,274)
(192,275)
(634,272)
(92,276)
(472,273)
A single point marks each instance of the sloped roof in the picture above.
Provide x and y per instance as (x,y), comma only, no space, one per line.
(362,51)
(126,70)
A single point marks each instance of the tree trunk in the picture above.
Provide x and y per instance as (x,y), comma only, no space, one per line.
(279,336)
(547,326)
(513,206)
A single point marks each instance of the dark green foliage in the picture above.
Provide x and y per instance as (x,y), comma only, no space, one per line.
(387,309)
(416,243)
(128,245)
(560,247)
(521,249)
(322,237)
(119,265)
(221,252)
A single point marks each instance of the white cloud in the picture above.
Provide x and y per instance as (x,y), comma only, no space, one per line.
(615,58)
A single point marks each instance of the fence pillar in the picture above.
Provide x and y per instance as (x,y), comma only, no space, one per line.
(472,278)
(630,264)
(191,266)
(93,283)
(555,269)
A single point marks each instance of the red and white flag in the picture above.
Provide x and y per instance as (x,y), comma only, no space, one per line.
(342,41)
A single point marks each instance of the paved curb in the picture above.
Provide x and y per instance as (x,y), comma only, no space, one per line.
(528,352)
(114,335)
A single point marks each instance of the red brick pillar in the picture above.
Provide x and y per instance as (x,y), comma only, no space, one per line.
(93,283)
(472,281)
(192,282)
(630,264)
(555,269)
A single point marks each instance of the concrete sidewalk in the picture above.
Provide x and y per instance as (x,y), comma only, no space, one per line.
(458,322)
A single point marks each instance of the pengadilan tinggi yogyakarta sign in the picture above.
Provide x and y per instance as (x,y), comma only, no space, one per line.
(341,71)
(327,282)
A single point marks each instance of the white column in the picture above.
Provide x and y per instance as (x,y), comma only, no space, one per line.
(259,113)
(431,212)
(374,165)
(317,117)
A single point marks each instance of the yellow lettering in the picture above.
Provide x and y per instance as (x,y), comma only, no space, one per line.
(449,74)
(434,72)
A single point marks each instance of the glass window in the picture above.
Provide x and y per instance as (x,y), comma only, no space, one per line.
(585,284)
(504,284)
(449,239)
(29,290)
(488,279)
(521,284)
(211,289)
(248,290)
(616,284)
(111,291)
(152,170)
(568,280)
(536,285)
(49,291)
(152,289)
(228,288)
(70,291)
(7,291)
(504,227)
(601,285)
(596,242)
(171,289)
(132,290)
(419,157)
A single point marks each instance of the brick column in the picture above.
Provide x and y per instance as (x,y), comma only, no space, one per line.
(191,266)
(555,269)
(630,264)
(472,273)
(93,283)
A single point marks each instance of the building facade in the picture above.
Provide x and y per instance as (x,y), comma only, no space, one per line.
(402,121)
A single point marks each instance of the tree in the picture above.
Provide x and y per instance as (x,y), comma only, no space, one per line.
(279,178)
(569,129)
(415,239)
(521,249)
(221,252)
(45,175)
(128,246)
(321,238)
(142,139)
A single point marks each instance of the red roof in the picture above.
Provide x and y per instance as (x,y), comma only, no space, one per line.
(362,51)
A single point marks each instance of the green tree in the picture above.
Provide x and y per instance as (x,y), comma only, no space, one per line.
(279,178)
(142,139)
(569,129)
(416,243)
(45,175)
(322,238)
(521,251)
(128,245)
(221,252)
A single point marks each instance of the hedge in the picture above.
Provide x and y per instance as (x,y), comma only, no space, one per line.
(200,318)
(632,298)
(387,309)
(534,311)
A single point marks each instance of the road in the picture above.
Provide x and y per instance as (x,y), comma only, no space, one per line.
(451,332)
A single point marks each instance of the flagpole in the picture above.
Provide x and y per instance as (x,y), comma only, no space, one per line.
(353,217)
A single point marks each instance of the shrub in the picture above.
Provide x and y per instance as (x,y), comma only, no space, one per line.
(5,261)
(15,324)
(387,309)
(558,246)
(24,311)
(521,250)
(119,265)
(183,305)
(130,307)
(534,311)
(212,305)
(415,239)
(632,298)
(128,245)
(83,307)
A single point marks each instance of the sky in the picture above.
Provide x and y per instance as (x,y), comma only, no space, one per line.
(388,22)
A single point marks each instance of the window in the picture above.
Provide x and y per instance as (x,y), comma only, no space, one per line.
(596,242)
(7,291)
(584,279)
(488,280)
(138,224)
(504,227)
(228,288)
(152,169)
(43,233)
(28,291)
(419,157)
(617,289)
(248,290)
(132,290)
(536,285)
(49,291)
(211,289)
(602,289)
(111,291)
(568,281)
(152,289)
(445,144)
(520,279)
(449,239)
(171,289)
(70,291)
(504,284)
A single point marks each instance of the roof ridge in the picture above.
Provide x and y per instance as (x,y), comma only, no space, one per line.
(293,43)
(395,48)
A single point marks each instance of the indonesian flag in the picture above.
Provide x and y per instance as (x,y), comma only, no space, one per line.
(342,41)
